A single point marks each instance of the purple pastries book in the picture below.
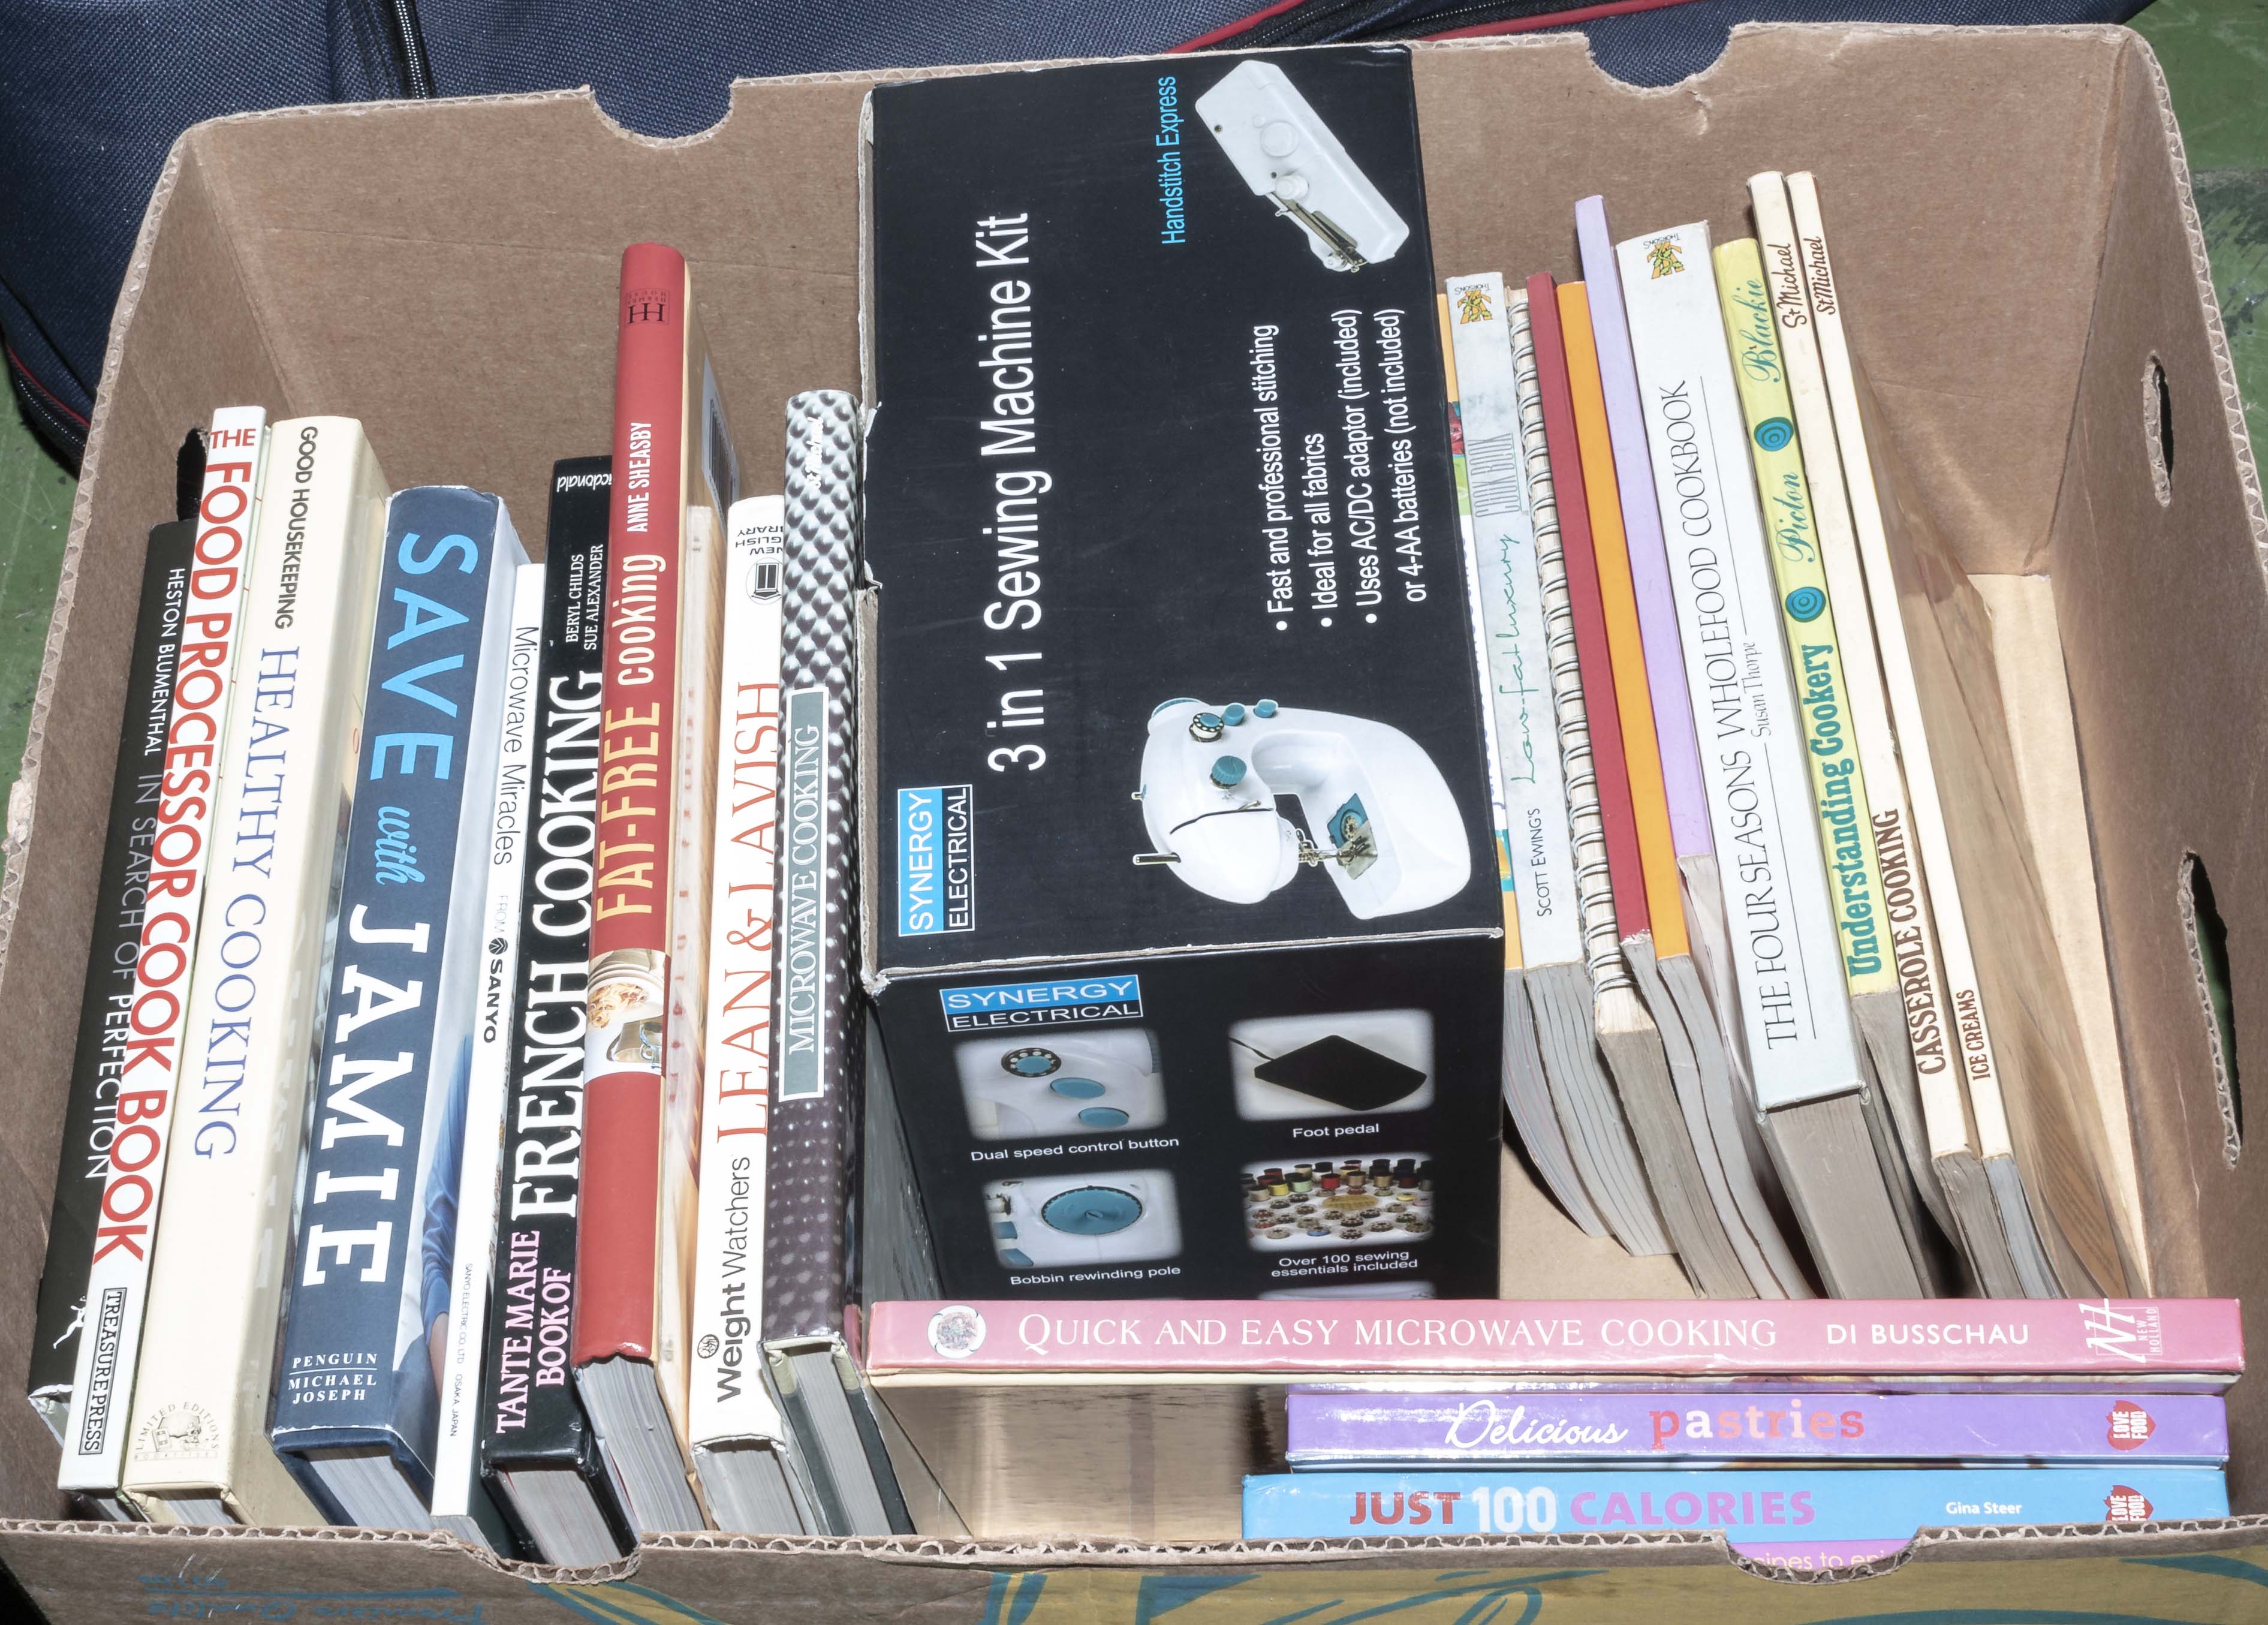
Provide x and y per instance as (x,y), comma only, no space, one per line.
(1340,1428)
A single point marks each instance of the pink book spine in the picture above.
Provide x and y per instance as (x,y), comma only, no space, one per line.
(1945,1337)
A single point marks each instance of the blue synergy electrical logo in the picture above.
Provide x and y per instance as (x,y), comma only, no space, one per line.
(1041,1004)
(937,861)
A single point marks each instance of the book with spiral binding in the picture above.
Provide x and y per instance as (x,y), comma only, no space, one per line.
(1562,997)
(1543,927)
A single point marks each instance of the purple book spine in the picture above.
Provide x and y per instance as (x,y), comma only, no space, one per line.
(1338,1426)
(1649,556)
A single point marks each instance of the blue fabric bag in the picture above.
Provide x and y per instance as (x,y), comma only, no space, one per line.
(93,93)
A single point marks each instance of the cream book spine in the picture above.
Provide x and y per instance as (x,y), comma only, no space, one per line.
(731,1398)
(1971,1031)
(1515,670)
(1948,1135)
(457,1489)
(198,1450)
(2042,1146)
(699,666)
(1843,813)
(151,1080)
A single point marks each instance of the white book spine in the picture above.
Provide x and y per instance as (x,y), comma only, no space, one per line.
(731,1399)
(472,1258)
(1964,997)
(1510,596)
(216,1288)
(1787,959)
(197,744)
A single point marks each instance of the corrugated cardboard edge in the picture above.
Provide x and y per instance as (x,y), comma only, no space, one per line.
(1950,1546)
(2224,362)
(1634,1549)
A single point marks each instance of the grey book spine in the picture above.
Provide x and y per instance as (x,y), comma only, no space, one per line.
(810,1254)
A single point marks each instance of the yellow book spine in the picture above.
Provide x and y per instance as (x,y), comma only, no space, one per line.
(1625,647)
(1512,959)
(1846,830)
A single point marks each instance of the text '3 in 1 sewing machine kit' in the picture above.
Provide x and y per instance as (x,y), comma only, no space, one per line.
(1181,902)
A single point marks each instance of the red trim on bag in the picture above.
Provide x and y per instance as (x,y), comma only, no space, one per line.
(46,393)
(1229,31)
(1511,25)
(1528,25)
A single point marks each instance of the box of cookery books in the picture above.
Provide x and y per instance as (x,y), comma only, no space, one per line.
(1181,920)
(1088,524)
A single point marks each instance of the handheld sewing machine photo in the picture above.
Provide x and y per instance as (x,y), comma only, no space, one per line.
(1380,818)
(1027,1084)
(1286,154)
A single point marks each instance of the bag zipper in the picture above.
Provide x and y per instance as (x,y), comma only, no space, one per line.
(414,72)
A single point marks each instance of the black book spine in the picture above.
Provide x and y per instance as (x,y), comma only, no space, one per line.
(90,1119)
(529,1414)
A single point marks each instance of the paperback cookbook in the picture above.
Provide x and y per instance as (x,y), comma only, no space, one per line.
(1787,1518)
(1328,1428)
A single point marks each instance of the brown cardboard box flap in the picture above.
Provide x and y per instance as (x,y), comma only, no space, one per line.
(2204,1572)
(2013,210)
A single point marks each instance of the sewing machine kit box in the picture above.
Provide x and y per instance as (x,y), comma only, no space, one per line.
(1182,917)
(2028,288)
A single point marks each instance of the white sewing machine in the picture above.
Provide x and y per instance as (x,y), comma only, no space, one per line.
(1288,155)
(1084,1218)
(1386,828)
(1090,1082)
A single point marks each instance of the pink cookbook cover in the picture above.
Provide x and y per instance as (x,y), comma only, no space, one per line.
(1327,1338)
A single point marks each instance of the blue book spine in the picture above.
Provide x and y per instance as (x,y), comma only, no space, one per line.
(369,1270)
(1807,1518)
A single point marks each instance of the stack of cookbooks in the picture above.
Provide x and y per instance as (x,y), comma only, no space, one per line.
(1809,1476)
(517,1098)
(441,942)
(1813,1435)
(1787,996)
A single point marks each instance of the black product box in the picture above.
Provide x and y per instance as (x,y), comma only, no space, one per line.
(1182,914)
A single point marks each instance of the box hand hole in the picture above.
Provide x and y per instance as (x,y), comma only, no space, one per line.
(2158,430)
(2208,944)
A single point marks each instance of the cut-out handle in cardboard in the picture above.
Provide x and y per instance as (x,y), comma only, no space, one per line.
(2208,944)
(2158,429)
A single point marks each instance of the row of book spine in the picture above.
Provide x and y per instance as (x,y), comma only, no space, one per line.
(435,877)
(1748,1017)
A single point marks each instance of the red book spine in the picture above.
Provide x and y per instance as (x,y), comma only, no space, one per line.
(617,1236)
(1619,823)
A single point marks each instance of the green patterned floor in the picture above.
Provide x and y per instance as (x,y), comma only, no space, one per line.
(2216,56)
(35,505)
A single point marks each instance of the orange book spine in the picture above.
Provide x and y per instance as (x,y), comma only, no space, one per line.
(1625,647)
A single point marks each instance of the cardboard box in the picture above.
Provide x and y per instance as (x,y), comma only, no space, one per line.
(2030,292)
(1180,888)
